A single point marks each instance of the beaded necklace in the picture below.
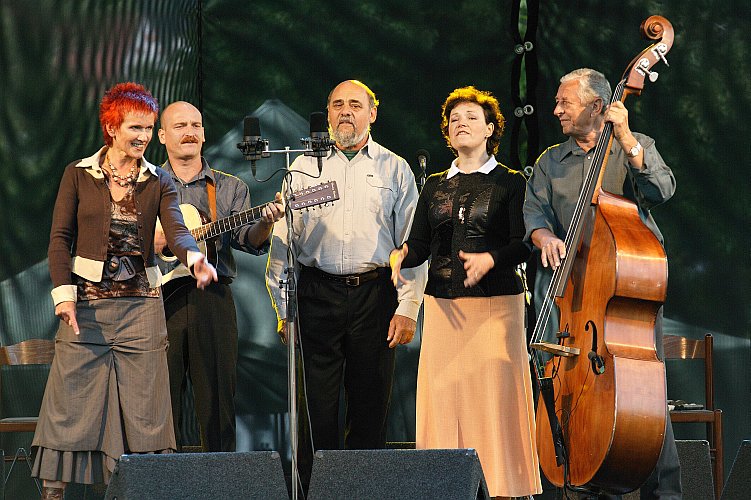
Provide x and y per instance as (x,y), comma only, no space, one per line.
(122,180)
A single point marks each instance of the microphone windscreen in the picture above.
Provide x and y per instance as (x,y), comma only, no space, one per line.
(251,127)
(317,122)
(422,154)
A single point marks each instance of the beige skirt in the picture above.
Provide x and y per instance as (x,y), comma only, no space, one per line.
(107,392)
(474,388)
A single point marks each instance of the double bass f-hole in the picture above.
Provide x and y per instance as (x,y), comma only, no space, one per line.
(598,363)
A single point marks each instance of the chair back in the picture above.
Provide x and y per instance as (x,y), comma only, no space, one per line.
(28,352)
(677,347)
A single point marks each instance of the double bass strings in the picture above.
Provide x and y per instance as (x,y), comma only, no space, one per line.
(572,235)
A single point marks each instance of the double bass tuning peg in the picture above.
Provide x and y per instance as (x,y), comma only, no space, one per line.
(660,50)
(643,68)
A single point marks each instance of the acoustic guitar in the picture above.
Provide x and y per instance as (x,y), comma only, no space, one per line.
(206,231)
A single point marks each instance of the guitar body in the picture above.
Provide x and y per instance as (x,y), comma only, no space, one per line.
(193,219)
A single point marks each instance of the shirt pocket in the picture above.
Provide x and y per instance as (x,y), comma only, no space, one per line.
(379,195)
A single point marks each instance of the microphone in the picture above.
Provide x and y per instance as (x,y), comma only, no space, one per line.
(423,157)
(253,146)
(319,142)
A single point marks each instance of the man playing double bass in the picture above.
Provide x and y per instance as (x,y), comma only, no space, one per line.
(635,170)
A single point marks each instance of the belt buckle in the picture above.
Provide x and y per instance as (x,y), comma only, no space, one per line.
(352,280)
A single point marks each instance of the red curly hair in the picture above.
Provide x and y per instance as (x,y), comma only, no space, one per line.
(125,98)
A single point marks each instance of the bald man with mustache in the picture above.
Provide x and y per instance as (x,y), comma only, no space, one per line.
(202,327)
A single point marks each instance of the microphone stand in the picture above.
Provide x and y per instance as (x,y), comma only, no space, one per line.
(253,150)
(290,288)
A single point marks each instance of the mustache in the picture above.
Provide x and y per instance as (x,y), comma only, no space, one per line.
(190,139)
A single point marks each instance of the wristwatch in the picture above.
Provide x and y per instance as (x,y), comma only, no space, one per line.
(634,152)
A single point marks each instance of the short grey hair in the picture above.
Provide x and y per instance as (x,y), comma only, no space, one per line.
(593,85)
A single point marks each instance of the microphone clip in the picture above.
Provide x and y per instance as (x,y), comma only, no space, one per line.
(318,147)
(254,149)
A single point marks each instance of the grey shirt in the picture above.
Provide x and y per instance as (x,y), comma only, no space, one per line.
(553,189)
(232,197)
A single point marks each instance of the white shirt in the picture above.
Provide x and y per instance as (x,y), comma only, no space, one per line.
(356,233)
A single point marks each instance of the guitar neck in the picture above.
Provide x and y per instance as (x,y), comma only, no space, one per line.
(309,197)
(228,223)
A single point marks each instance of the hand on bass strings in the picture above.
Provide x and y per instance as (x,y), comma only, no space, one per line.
(553,248)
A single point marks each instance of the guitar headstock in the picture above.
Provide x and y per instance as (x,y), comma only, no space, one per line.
(314,195)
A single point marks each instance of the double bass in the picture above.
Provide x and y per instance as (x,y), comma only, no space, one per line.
(602,412)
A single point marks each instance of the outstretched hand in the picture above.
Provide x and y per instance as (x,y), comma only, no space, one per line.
(204,273)
(396,257)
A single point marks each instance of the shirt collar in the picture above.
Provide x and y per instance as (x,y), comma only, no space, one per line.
(486,168)
(92,162)
(571,147)
(205,171)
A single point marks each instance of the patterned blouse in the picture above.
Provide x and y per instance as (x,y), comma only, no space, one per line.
(123,242)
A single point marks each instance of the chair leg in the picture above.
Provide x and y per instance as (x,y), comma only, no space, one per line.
(716,444)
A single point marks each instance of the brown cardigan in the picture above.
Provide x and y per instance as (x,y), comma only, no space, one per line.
(81,222)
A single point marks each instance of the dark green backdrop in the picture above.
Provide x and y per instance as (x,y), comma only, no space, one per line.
(229,57)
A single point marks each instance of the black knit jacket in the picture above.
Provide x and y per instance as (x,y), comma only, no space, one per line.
(475,213)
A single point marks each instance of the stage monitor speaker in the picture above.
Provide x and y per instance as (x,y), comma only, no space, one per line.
(696,469)
(241,476)
(738,485)
(397,474)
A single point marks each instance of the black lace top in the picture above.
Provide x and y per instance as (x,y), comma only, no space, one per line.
(474,212)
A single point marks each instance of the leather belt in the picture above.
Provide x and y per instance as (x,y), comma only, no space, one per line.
(346,279)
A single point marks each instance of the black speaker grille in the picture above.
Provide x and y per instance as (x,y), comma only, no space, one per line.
(397,474)
(226,476)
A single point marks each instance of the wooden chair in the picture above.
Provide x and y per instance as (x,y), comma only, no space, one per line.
(28,352)
(678,347)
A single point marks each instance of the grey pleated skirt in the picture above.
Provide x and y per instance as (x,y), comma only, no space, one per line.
(107,392)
